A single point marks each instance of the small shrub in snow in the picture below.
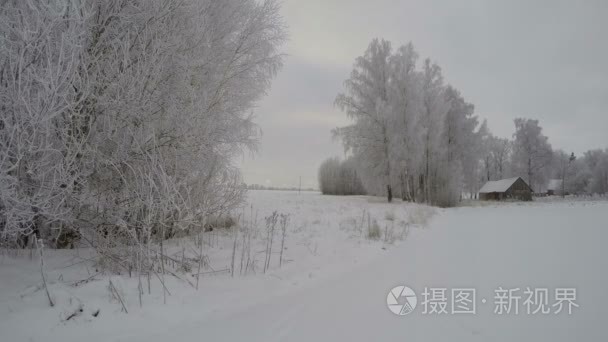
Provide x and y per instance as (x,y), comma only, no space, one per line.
(389,233)
(373,230)
(271,222)
(284,221)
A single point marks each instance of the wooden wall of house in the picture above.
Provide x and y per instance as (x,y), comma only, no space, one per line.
(492,196)
(520,190)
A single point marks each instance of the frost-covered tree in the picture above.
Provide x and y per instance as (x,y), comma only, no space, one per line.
(42,130)
(462,143)
(532,153)
(366,102)
(338,177)
(496,157)
(411,134)
(405,101)
(120,119)
(500,150)
(434,109)
(580,177)
(414,136)
(597,163)
(563,164)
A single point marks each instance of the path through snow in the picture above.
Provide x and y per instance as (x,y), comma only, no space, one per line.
(539,245)
(339,292)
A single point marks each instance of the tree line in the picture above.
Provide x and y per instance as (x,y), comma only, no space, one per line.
(414,136)
(338,177)
(119,119)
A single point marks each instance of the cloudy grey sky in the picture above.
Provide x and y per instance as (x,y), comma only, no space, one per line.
(545,60)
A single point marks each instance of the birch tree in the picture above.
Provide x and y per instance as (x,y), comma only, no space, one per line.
(410,131)
(434,109)
(462,144)
(500,150)
(532,153)
(597,163)
(405,101)
(366,103)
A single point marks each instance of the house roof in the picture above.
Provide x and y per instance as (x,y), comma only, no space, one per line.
(554,184)
(498,186)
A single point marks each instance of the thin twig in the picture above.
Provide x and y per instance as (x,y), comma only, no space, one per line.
(115,292)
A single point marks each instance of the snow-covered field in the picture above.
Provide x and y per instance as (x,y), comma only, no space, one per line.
(334,281)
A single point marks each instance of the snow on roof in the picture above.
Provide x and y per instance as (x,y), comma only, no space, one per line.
(497,186)
(554,184)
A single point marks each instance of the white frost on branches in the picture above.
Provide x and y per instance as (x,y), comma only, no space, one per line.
(120,119)
(411,135)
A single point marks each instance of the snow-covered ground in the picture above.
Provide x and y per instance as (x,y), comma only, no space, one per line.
(334,282)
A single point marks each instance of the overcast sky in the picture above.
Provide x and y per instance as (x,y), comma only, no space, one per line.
(546,60)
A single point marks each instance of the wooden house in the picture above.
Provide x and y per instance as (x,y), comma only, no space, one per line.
(511,188)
